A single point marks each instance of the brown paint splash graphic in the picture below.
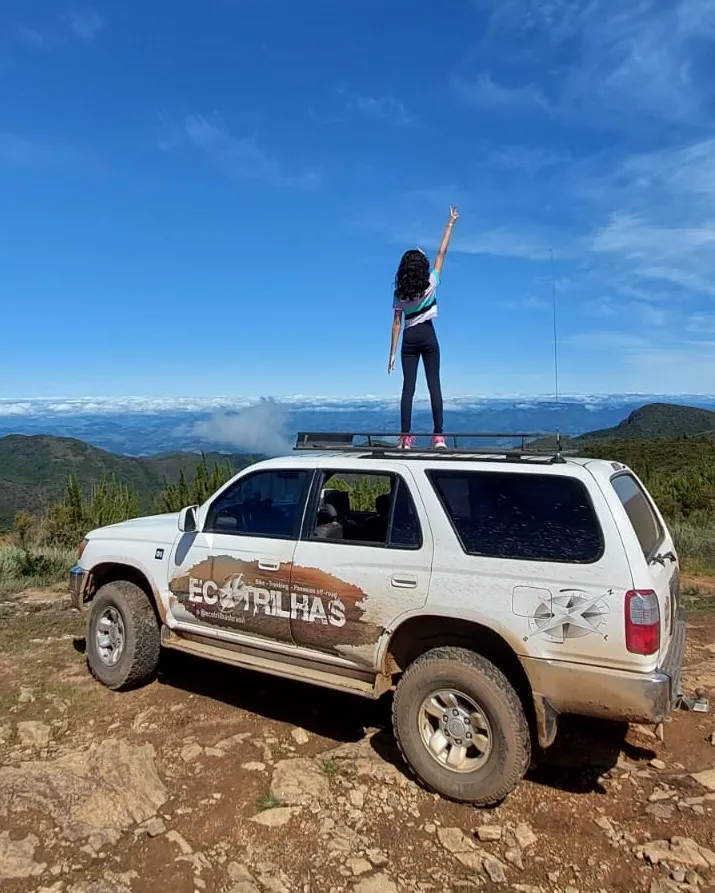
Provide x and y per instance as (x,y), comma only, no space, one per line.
(301,604)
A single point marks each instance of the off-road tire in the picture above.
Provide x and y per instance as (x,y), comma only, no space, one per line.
(475,676)
(139,659)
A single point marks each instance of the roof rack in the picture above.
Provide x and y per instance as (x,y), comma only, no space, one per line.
(381,444)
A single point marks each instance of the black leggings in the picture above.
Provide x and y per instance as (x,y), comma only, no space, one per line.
(420,341)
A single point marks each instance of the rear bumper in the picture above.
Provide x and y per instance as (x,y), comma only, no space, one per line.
(77,584)
(612,694)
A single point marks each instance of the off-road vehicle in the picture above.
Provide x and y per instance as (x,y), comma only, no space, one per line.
(492,589)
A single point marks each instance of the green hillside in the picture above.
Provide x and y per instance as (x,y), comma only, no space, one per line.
(655,420)
(34,471)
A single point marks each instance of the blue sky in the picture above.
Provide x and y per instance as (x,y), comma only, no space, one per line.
(212,198)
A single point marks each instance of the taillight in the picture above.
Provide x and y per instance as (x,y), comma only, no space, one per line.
(642,622)
(82,547)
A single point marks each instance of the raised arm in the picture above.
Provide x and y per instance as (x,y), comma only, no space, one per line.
(439,261)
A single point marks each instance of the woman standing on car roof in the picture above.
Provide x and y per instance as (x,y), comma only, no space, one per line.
(416,297)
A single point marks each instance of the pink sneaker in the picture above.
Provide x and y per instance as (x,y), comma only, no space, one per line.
(438,442)
(405,442)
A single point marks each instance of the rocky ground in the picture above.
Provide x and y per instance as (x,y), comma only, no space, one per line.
(213,779)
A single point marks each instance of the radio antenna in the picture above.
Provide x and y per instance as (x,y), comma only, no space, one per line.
(556,341)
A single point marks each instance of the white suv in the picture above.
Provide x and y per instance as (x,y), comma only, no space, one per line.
(491,591)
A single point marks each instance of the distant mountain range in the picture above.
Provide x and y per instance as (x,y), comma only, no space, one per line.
(141,426)
(34,469)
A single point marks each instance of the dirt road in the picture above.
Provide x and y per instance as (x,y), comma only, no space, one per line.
(212,779)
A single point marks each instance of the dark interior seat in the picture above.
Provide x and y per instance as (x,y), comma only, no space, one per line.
(328,526)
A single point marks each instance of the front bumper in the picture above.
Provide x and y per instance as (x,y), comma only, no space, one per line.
(78,583)
(612,694)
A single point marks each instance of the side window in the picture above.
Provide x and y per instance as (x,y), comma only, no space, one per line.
(366,509)
(645,524)
(267,503)
(530,517)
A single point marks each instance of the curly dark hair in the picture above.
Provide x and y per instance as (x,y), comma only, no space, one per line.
(412,278)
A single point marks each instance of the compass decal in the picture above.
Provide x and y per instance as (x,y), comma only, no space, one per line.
(569,615)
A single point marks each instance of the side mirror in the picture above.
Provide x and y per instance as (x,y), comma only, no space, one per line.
(188,519)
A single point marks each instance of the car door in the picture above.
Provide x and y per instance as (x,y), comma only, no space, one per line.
(248,535)
(360,567)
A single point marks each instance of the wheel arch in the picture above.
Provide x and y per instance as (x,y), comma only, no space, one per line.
(416,635)
(114,571)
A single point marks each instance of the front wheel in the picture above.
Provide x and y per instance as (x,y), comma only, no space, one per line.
(461,726)
(123,638)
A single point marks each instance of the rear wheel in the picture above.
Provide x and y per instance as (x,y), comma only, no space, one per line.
(461,726)
(123,638)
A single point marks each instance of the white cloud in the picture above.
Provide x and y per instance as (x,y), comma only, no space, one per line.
(261,428)
(381,108)
(534,245)
(86,23)
(604,58)
(239,157)
(486,93)
(31,37)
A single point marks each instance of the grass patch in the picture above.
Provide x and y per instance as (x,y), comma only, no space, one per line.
(37,567)
(333,767)
(268,801)
(695,546)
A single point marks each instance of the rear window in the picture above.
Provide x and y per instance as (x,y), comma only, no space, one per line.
(638,508)
(529,517)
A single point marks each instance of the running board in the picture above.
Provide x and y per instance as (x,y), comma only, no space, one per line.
(298,669)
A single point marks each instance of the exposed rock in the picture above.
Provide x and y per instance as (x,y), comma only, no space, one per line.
(525,837)
(100,886)
(26,695)
(357,798)
(272,880)
(513,857)
(214,752)
(679,850)
(254,767)
(99,793)
(378,883)
(180,841)
(489,832)
(17,857)
(605,824)
(456,842)
(299,782)
(142,721)
(154,827)
(657,764)
(712,738)
(495,870)
(661,794)
(227,744)
(274,818)
(526,888)
(660,811)
(5,732)
(300,736)
(705,778)
(359,866)
(34,734)
(191,753)
(242,879)
(363,760)
(377,857)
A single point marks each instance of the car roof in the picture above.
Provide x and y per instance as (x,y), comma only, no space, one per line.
(356,459)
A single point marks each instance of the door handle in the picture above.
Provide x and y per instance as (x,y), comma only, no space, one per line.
(269,565)
(404,581)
